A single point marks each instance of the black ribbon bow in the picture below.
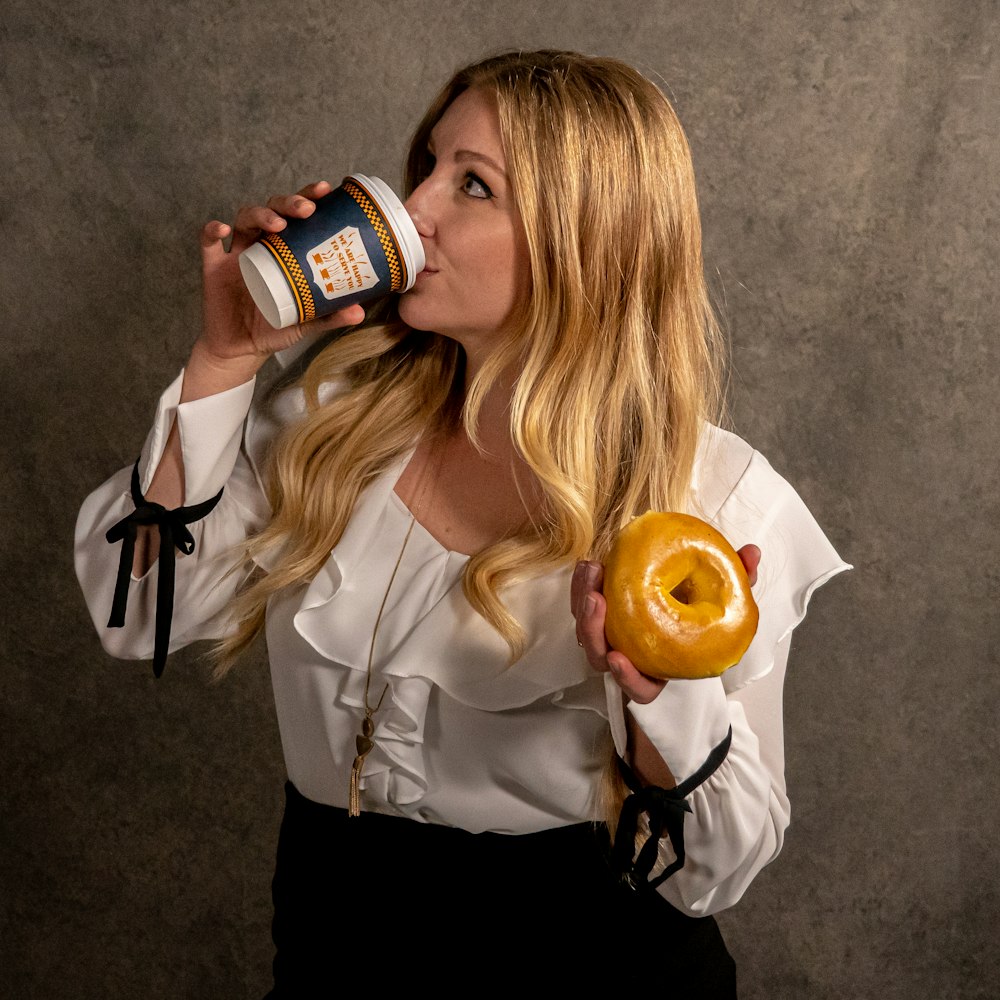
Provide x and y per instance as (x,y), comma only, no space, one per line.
(172,525)
(664,809)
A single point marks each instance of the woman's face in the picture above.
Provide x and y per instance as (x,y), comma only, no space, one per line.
(477,271)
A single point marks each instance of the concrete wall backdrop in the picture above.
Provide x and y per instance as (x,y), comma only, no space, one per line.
(848,157)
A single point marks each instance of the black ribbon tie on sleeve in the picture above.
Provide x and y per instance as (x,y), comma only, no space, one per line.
(665,809)
(172,525)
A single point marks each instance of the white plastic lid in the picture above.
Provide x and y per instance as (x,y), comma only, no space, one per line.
(402,225)
(268,286)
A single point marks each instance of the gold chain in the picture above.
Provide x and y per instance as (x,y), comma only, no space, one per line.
(364,741)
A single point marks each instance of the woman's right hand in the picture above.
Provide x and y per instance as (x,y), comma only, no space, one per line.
(235,337)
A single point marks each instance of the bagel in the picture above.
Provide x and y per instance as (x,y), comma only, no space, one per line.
(678,597)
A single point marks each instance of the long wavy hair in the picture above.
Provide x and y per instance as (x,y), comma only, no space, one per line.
(618,351)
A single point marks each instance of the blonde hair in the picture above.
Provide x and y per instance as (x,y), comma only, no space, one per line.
(617,350)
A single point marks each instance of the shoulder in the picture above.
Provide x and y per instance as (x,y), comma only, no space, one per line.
(736,489)
(730,476)
(721,461)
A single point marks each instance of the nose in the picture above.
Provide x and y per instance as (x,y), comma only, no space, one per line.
(418,207)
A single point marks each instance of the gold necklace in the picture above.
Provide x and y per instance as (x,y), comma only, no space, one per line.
(364,741)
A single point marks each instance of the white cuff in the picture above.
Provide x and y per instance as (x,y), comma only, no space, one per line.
(211,431)
(685,721)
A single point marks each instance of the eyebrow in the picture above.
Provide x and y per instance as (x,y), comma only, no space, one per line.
(465,155)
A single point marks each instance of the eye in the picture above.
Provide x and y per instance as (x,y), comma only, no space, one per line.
(476,187)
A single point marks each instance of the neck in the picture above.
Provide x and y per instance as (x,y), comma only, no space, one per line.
(493,423)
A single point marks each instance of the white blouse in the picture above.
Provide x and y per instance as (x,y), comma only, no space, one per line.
(462,739)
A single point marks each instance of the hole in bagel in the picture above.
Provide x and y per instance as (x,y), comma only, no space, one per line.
(700,595)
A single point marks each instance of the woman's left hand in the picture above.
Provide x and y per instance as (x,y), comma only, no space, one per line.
(589,608)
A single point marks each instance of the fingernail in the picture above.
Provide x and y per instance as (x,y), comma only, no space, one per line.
(589,605)
(592,571)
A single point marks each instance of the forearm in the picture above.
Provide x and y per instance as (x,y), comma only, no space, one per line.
(739,813)
(644,759)
(204,375)
(211,431)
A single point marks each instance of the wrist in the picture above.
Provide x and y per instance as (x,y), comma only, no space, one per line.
(207,374)
(684,722)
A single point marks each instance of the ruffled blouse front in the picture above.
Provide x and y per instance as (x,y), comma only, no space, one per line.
(441,733)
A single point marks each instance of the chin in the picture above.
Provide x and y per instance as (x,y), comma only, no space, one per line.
(412,313)
(409,311)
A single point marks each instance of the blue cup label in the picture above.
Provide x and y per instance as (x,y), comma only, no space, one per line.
(361,260)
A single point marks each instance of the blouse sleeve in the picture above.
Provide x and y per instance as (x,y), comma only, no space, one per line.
(211,434)
(739,813)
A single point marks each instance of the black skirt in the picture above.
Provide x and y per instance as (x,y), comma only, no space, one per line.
(382,903)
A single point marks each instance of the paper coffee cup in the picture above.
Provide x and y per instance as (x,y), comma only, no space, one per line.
(359,244)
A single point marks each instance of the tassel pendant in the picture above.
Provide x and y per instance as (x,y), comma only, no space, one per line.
(364,744)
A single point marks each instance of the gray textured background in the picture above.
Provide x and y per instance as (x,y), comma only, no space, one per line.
(847,155)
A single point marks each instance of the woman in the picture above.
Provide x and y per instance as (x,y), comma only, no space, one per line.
(415,519)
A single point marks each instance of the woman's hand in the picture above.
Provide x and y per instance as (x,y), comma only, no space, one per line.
(236,336)
(589,608)
(235,340)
